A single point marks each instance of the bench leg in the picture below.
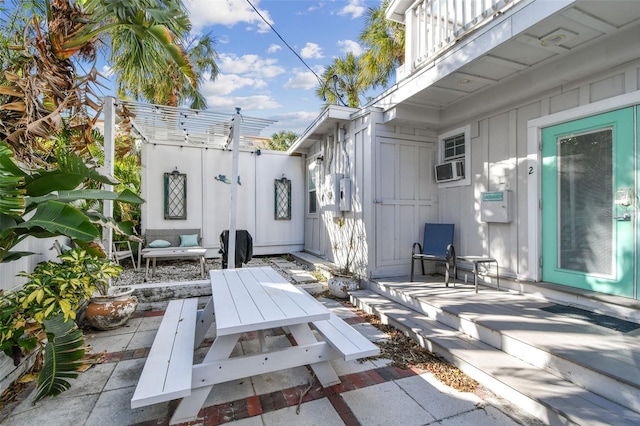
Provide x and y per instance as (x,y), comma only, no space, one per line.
(146,272)
(190,406)
(202,267)
(323,370)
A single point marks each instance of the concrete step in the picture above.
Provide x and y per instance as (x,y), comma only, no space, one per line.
(516,325)
(550,398)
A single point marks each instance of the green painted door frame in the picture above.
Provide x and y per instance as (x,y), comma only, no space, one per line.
(589,223)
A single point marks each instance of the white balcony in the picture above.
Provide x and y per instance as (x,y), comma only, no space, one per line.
(433,26)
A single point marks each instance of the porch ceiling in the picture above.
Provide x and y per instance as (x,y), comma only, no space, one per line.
(183,126)
(443,84)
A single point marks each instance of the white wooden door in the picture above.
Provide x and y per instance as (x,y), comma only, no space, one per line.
(405,198)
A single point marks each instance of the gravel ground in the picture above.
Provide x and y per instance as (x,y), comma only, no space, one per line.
(189,270)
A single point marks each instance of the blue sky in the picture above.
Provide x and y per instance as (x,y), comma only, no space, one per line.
(258,72)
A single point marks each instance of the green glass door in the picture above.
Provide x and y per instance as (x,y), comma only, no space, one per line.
(588,203)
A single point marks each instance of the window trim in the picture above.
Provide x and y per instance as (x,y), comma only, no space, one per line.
(466,130)
(312,168)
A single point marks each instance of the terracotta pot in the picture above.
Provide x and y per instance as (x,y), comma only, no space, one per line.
(340,286)
(112,311)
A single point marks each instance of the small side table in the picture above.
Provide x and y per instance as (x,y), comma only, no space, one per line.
(480,259)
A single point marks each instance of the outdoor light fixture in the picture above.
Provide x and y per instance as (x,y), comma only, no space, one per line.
(557,37)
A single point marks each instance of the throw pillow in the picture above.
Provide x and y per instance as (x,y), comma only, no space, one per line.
(189,240)
(159,244)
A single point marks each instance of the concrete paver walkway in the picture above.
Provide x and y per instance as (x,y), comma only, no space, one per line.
(371,392)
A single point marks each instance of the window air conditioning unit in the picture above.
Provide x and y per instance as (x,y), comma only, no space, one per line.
(449,171)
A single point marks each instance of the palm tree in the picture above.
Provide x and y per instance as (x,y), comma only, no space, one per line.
(383,41)
(171,87)
(41,83)
(281,141)
(340,78)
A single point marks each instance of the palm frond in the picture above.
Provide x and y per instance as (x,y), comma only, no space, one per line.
(61,356)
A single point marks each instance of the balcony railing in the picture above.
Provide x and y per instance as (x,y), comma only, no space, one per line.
(432,26)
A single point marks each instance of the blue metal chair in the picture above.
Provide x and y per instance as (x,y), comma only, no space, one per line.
(437,246)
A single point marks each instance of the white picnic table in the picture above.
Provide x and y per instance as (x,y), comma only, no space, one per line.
(244,300)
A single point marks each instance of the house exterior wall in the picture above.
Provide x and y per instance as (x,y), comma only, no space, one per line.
(501,159)
(395,193)
(208,199)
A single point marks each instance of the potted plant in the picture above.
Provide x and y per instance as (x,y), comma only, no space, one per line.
(108,306)
(42,203)
(43,312)
(344,279)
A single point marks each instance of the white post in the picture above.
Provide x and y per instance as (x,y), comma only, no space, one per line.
(231,248)
(109,158)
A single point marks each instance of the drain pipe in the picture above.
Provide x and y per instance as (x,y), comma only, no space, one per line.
(342,140)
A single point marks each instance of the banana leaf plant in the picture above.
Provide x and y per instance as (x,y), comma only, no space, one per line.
(62,358)
(40,203)
(45,203)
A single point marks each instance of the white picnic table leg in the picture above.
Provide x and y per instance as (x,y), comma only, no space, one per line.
(323,370)
(203,322)
(190,406)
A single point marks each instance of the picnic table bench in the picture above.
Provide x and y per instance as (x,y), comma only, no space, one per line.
(244,300)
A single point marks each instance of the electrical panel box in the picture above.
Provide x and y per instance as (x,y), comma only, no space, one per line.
(332,191)
(496,207)
(345,194)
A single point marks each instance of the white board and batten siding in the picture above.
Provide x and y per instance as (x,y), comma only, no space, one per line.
(208,199)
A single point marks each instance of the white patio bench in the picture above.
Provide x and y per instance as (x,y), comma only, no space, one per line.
(345,339)
(167,372)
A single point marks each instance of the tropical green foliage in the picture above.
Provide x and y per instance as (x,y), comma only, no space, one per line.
(49,195)
(341,77)
(48,302)
(53,38)
(62,357)
(280,141)
(352,76)
(170,87)
(383,41)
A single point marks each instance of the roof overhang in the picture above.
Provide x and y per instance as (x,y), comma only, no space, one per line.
(323,124)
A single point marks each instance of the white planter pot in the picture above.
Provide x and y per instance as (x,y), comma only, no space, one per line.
(341,286)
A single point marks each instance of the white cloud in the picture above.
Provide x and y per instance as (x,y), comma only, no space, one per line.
(304,80)
(355,9)
(251,65)
(350,46)
(296,122)
(247,103)
(107,71)
(229,12)
(274,48)
(311,50)
(229,83)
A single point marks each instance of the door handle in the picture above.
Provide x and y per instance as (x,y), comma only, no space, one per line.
(624,218)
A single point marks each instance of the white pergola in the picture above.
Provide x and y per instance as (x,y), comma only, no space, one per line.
(182,126)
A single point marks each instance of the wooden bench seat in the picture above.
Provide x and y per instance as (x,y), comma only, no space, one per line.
(167,372)
(345,339)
